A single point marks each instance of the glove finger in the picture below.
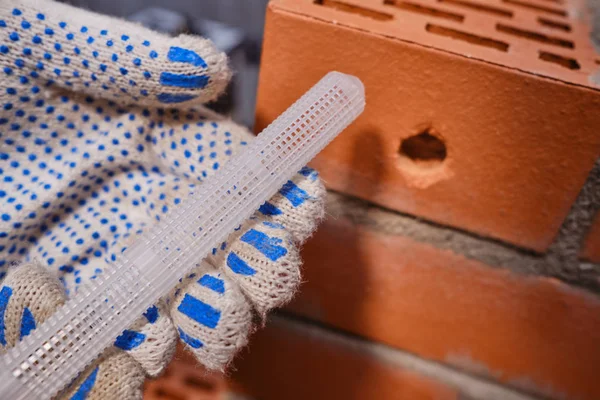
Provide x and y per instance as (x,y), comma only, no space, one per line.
(114,376)
(108,57)
(151,340)
(299,205)
(263,259)
(212,316)
(28,296)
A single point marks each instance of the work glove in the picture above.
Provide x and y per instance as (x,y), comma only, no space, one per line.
(101,135)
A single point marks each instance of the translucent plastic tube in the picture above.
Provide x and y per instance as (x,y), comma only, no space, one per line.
(46,361)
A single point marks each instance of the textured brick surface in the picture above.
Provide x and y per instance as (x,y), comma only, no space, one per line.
(516,133)
(591,250)
(284,363)
(534,333)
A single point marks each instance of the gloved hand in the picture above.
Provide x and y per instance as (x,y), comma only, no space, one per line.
(100,136)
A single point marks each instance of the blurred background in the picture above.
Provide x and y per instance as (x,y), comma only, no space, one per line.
(235,26)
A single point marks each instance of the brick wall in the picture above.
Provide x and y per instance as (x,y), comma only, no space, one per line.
(461,254)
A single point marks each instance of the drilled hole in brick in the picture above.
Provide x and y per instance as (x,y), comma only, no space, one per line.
(422,159)
(548,23)
(420,9)
(525,4)
(199,384)
(566,62)
(538,37)
(479,7)
(467,37)
(350,8)
(424,148)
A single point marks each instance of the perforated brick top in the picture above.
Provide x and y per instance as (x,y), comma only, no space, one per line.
(549,38)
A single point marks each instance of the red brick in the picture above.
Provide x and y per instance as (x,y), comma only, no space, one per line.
(519,134)
(285,363)
(591,249)
(535,333)
(185,379)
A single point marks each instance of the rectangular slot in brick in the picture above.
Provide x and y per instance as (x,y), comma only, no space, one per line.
(538,37)
(535,7)
(548,23)
(351,8)
(566,62)
(196,384)
(479,7)
(421,9)
(168,394)
(467,37)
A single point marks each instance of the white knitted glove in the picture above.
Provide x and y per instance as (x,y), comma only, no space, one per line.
(89,158)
